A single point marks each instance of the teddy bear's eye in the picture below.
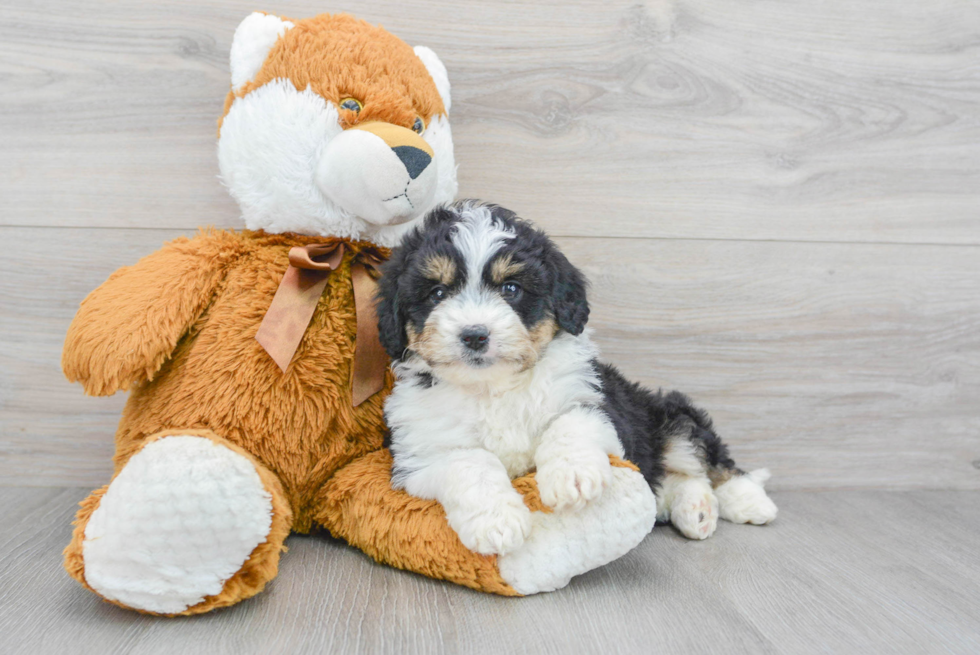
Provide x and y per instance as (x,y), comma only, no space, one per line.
(418,125)
(351,104)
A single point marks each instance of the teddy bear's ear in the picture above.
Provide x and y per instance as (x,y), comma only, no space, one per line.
(253,40)
(437,71)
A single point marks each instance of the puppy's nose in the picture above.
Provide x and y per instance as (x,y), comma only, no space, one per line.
(475,337)
(415,159)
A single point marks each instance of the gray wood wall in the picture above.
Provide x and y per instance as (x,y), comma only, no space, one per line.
(777,201)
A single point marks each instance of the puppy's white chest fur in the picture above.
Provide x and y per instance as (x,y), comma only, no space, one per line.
(510,424)
(505,417)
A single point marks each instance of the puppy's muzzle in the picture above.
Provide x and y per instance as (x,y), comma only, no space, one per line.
(382,173)
(475,338)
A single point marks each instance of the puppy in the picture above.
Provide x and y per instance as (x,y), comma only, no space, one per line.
(485,321)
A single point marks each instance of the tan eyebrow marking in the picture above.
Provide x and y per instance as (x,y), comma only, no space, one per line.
(441,269)
(503,268)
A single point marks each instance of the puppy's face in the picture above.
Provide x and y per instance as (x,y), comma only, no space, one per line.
(478,293)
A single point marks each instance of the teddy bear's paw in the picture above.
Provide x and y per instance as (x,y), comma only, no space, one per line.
(179,520)
(497,530)
(572,483)
(695,513)
(565,544)
(743,499)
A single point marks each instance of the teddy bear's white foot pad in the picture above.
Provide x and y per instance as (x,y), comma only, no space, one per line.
(179,520)
(566,543)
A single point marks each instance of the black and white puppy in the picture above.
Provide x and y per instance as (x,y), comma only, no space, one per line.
(484,319)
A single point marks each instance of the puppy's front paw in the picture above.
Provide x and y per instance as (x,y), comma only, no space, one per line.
(573,483)
(497,530)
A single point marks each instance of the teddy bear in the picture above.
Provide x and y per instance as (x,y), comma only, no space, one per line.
(256,381)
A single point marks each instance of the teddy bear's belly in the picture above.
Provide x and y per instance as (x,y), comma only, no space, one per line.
(300,424)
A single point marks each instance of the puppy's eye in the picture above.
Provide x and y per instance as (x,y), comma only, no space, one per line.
(418,125)
(511,290)
(438,294)
(351,104)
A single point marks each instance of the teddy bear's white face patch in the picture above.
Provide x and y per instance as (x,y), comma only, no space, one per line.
(381,173)
(440,138)
(268,149)
(271,152)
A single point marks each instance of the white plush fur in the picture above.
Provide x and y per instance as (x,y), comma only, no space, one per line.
(270,143)
(439,136)
(438,72)
(291,167)
(177,522)
(743,499)
(251,44)
(567,543)
(361,173)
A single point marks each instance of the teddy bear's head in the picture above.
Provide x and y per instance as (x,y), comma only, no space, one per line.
(334,127)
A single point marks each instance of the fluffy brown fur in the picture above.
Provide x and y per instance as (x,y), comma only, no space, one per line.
(359,505)
(181,325)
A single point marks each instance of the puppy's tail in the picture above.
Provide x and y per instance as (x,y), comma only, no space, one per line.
(710,449)
(718,464)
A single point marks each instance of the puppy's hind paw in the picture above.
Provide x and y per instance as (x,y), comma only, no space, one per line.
(495,531)
(695,515)
(743,499)
(573,484)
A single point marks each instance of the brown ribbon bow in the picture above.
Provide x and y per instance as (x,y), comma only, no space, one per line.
(295,301)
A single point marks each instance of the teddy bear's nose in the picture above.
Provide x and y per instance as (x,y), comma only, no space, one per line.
(415,159)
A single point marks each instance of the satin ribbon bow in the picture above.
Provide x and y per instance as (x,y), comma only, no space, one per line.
(295,301)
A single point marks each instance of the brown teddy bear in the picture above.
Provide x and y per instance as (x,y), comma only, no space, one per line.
(256,380)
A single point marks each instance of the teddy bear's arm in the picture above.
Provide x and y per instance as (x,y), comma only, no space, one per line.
(128,327)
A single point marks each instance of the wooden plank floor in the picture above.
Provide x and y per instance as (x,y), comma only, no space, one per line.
(838,572)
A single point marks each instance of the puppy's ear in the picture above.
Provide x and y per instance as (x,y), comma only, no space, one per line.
(391,317)
(568,296)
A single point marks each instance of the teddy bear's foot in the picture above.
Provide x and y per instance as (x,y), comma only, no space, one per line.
(566,543)
(190,523)
(359,505)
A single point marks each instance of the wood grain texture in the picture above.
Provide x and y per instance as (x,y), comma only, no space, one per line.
(843,572)
(830,121)
(836,365)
